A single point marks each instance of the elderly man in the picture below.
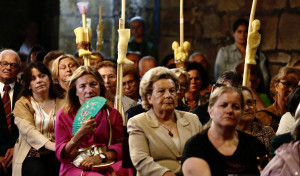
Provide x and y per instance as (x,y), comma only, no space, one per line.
(9,89)
(145,64)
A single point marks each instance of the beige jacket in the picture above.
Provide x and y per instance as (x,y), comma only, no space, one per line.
(29,136)
(152,150)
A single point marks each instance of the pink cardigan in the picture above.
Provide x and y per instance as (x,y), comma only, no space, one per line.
(63,134)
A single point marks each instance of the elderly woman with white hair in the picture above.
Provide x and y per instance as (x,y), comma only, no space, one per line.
(157,137)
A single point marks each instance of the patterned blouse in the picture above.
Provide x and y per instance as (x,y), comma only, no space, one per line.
(264,133)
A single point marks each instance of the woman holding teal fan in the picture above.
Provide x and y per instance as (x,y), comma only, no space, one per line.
(97,140)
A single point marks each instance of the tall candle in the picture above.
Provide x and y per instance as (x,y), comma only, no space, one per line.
(100,14)
(181,23)
(123,9)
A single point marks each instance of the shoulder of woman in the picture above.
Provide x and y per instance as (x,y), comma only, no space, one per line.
(22,106)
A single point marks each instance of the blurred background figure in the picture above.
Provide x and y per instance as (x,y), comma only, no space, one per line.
(168,60)
(135,57)
(284,82)
(131,80)
(138,40)
(198,81)
(95,63)
(51,56)
(145,64)
(31,37)
(230,56)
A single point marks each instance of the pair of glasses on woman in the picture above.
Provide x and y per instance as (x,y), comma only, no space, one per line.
(250,103)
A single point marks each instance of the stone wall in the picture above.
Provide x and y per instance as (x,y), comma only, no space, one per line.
(208,25)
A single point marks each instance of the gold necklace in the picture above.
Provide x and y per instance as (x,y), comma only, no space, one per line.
(169,130)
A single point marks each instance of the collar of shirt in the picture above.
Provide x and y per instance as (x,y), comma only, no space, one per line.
(12,86)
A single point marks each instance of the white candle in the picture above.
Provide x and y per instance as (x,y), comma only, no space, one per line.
(123,9)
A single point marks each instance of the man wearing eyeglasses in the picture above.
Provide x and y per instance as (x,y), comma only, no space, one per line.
(9,89)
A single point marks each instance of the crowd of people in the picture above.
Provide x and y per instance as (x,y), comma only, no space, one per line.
(173,122)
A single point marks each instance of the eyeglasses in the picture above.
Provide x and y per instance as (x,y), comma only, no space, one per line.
(5,64)
(182,86)
(250,103)
(288,84)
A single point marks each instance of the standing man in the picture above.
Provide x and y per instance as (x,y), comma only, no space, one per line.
(138,41)
(9,89)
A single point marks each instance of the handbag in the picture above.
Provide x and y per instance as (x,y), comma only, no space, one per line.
(95,150)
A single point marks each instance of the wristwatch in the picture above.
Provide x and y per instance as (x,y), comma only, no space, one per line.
(103,157)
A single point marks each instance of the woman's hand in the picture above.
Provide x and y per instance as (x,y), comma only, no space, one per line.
(88,127)
(169,174)
(89,162)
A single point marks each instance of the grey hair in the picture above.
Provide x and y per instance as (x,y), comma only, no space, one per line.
(152,76)
(196,54)
(150,58)
(12,52)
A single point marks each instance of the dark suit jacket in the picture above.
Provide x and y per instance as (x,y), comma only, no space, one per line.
(8,140)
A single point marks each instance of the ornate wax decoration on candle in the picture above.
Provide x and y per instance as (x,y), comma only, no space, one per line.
(253,41)
(124,35)
(84,35)
(181,51)
(100,29)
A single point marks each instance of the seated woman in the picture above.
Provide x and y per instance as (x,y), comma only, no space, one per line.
(184,82)
(157,137)
(35,116)
(284,82)
(287,158)
(86,83)
(198,81)
(225,149)
(131,81)
(62,69)
(248,122)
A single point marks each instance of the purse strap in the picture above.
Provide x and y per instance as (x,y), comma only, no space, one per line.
(110,130)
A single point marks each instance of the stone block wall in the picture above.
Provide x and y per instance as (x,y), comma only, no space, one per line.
(208,25)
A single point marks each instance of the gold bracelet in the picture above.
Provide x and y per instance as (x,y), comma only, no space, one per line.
(74,143)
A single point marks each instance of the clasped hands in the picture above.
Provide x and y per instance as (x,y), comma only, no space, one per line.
(6,161)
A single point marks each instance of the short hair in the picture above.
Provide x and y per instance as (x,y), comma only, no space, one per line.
(215,95)
(27,77)
(166,59)
(152,76)
(293,100)
(52,55)
(98,53)
(72,100)
(238,23)
(55,65)
(203,73)
(107,64)
(284,71)
(230,76)
(130,69)
(196,54)
(12,52)
(180,72)
(149,58)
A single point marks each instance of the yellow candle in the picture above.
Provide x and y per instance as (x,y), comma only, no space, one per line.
(123,9)
(181,23)
(100,14)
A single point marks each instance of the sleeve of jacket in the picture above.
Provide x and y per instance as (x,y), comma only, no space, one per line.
(139,151)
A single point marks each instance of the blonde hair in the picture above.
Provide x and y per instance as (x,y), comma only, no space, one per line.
(55,65)
(72,100)
(152,76)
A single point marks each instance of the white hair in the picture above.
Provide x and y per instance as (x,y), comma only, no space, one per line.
(12,52)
